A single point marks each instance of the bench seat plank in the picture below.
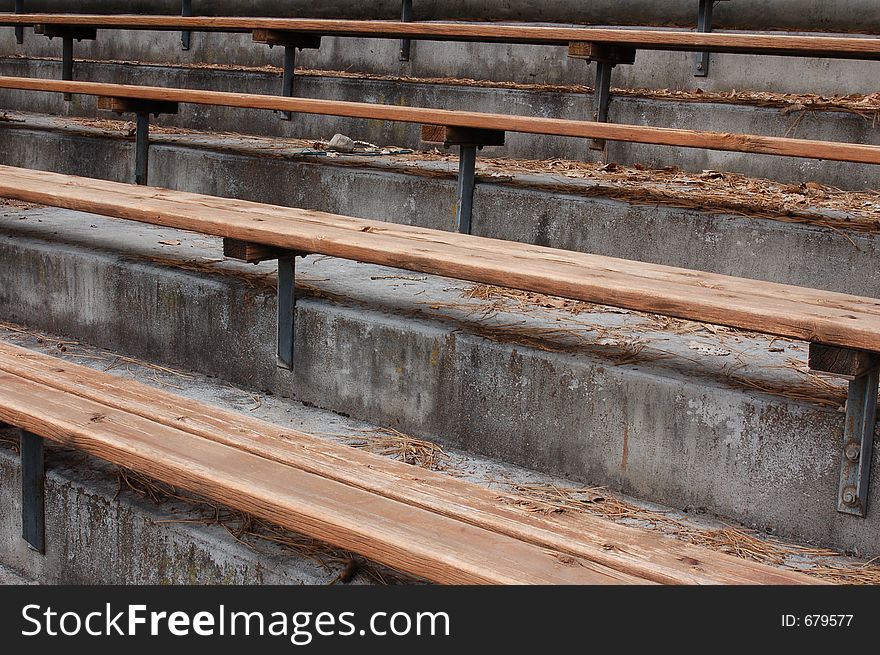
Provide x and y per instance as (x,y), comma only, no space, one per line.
(829,318)
(844,47)
(401,536)
(634,551)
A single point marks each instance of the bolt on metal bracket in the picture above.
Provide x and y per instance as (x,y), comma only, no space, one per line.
(33,480)
(406,16)
(862,369)
(468,140)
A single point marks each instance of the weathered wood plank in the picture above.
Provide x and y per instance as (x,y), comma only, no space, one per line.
(805,148)
(636,552)
(834,319)
(401,536)
(752,43)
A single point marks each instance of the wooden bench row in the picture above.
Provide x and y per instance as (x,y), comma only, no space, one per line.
(427,524)
(467,130)
(738,43)
(607,47)
(843,330)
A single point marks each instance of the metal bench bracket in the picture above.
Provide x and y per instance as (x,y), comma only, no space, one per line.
(33,504)
(468,141)
(704,24)
(142,109)
(186,9)
(254,253)
(67,33)
(862,369)
(406,16)
(19,29)
(292,41)
(606,58)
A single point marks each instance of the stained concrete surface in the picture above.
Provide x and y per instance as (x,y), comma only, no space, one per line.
(676,414)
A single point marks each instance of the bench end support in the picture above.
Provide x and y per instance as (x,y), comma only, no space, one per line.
(862,369)
(33,478)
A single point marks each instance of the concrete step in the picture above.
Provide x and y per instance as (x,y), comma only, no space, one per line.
(712,116)
(668,411)
(839,15)
(498,62)
(722,224)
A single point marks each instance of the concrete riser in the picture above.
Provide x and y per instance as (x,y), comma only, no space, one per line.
(676,438)
(842,15)
(755,248)
(830,126)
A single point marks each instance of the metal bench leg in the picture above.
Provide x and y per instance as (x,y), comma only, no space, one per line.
(19,29)
(858,442)
(286,310)
(406,16)
(33,477)
(862,369)
(464,207)
(142,148)
(602,98)
(288,78)
(67,62)
(185,36)
(704,24)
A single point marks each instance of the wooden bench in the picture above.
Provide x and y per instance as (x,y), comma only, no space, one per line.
(607,47)
(843,330)
(427,524)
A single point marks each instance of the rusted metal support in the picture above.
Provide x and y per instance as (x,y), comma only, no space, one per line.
(186,9)
(406,16)
(67,33)
(255,253)
(142,109)
(862,369)
(33,481)
(468,140)
(291,41)
(606,58)
(19,29)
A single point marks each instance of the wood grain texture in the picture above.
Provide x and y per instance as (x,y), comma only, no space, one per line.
(401,536)
(752,43)
(767,145)
(834,319)
(633,551)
